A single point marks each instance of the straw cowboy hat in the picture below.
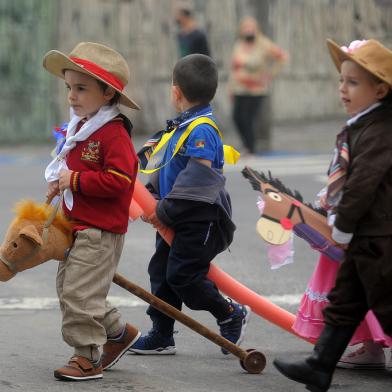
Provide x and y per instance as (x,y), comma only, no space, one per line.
(96,60)
(369,54)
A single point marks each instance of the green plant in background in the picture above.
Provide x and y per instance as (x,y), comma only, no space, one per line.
(27,109)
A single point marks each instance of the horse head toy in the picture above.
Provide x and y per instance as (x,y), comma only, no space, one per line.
(37,234)
(285,212)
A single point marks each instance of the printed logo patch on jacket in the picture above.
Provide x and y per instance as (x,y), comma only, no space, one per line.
(200,143)
(91,151)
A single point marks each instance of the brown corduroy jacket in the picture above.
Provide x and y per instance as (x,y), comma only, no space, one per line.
(366,205)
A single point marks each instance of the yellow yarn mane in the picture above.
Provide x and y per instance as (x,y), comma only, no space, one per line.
(30,210)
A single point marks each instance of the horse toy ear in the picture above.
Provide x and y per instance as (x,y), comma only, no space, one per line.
(31,233)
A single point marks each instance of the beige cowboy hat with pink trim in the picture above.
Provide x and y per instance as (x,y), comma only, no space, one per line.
(96,60)
(369,54)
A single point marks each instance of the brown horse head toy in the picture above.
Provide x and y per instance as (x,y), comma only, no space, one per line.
(285,212)
(37,234)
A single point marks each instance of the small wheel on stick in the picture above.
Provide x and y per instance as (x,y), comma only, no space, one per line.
(254,361)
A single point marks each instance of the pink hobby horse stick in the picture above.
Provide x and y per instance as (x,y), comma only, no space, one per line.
(135,211)
(231,287)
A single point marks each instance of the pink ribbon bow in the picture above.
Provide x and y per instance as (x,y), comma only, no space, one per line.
(353,46)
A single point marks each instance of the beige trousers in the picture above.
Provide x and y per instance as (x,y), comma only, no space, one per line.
(83,283)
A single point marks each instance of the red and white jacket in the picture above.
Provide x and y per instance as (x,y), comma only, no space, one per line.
(104,172)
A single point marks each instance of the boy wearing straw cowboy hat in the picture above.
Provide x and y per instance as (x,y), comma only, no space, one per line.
(96,171)
(359,193)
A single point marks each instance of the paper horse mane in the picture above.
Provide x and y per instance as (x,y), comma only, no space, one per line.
(30,210)
(258,177)
(25,246)
(285,212)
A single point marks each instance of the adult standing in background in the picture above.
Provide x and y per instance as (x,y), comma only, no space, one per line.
(256,60)
(191,39)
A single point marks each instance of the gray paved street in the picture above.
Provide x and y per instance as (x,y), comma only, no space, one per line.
(30,337)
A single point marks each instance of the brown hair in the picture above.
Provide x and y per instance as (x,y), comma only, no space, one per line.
(197,77)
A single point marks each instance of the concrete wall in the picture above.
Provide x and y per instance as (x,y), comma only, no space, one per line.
(144,32)
(26,108)
(308,86)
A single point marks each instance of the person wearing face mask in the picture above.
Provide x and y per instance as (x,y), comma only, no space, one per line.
(191,39)
(255,61)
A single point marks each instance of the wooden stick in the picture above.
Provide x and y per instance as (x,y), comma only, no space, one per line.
(177,315)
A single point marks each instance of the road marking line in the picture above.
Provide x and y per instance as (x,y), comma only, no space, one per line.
(49,303)
(321,178)
(279,165)
(287,166)
(285,299)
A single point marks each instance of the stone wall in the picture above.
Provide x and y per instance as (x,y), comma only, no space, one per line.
(144,32)
(307,87)
(26,106)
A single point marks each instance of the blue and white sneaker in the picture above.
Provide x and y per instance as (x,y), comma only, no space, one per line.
(155,343)
(233,328)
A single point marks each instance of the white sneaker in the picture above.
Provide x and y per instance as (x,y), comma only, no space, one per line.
(388,365)
(369,356)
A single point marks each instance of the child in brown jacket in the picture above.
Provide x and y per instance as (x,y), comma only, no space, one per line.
(360,193)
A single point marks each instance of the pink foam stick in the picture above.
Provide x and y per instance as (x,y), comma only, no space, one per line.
(225,283)
(135,211)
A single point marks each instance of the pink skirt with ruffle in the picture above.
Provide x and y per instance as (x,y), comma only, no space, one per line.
(309,321)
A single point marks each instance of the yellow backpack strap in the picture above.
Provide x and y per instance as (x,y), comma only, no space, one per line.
(206,120)
(165,138)
(231,155)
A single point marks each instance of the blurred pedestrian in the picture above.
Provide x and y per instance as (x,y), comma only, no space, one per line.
(191,38)
(255,61)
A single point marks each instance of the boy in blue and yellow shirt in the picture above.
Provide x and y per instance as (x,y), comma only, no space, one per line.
(194,203)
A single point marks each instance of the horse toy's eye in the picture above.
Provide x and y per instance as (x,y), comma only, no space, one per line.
(14,244)
(275,196)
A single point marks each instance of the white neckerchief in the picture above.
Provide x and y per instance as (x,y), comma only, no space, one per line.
(104,115)
(354,119)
